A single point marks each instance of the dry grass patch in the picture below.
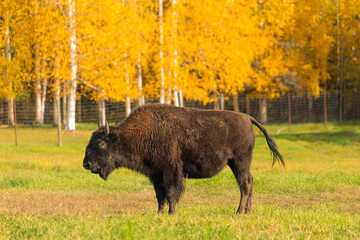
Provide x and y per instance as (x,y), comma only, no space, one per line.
(144,202)
(65,204)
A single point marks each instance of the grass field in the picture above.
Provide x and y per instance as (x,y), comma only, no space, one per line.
(45,193)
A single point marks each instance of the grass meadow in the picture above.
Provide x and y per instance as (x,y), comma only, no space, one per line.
(46,194)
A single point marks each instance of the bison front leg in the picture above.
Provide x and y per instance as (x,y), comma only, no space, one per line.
(160,196)
(174,186)
(169,189)
(173,192)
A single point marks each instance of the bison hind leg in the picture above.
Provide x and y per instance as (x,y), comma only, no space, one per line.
(240,167)
(248,208)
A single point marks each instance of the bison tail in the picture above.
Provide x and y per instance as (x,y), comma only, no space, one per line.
(276,156)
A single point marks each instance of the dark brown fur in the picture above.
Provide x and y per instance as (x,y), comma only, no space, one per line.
(168,144)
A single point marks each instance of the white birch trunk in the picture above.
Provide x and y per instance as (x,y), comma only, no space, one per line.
(56,97)
(127,99)
(70,123)
(37,85)
(140,82)
(161,53)
(176,97)
(127,77)
(58,115)
(181,98)
(37,78)
(175,70)
(44,90)
(11,119)
(64,104)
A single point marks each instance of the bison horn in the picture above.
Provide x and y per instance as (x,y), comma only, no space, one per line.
(99,124)
(107,128)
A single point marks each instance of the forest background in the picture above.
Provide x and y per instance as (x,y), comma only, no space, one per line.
(132,50)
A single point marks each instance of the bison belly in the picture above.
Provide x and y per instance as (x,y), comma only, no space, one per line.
(204,166)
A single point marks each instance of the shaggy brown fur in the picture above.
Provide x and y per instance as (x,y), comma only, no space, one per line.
(168,144)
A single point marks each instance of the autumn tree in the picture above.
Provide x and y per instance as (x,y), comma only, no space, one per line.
(14,29)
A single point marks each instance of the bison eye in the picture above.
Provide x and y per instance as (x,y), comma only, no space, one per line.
(102,144)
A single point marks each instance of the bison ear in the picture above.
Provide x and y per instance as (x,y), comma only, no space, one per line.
(106,128)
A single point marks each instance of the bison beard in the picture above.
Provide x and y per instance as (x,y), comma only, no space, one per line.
(104,173)
(168,143)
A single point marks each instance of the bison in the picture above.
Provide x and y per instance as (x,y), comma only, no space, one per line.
(168,144)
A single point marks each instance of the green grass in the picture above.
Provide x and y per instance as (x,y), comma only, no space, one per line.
(46,194)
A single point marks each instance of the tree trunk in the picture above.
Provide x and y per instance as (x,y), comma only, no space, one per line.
(57,112)
(176,97)
(339,53)
(70,123)
(127,77)
(222,102)
(64,104)
(56,96)
(175,60)
(54,109)
(353,101)
(168,97)
(161,53)
(181,98)
(11,120)
(38,119)
(102,112)
(128,106)
(58,115)
(310,106)
(44,90)
(263,110)
(342,110)
(140,82)
(37,86)
(247,103)
(236,102)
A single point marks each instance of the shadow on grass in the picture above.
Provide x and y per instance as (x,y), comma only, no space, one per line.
(341,137)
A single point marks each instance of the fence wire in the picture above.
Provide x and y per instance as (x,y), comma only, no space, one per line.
(304,108)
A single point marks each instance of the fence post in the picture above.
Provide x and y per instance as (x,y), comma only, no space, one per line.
(15,122)
(58,115)
(289,110)
(325,109)
(222,102)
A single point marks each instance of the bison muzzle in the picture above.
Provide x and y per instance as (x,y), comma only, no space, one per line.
(168,144)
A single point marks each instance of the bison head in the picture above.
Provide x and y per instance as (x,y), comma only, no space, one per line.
(99,153)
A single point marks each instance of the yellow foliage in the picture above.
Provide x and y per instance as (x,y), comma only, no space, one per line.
(210,47)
